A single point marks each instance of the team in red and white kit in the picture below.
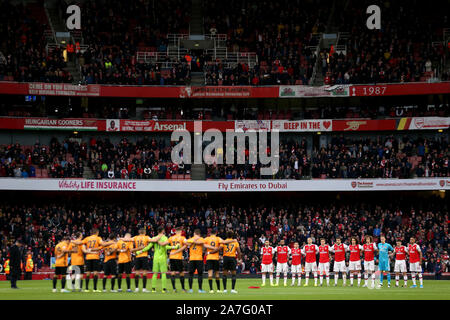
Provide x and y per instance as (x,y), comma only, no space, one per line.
(296,266)
(310,250)
(324,261)
(400,263)
(354,264)
(339,250)
(284,254)
(369,249)
(267,253)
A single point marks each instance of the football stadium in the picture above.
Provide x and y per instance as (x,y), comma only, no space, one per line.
(224,150)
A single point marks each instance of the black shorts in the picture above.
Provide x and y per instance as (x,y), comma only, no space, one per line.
(92,265)
(125,268)
(196,265)
(176,265)
(212,265)
(229,263)
(80,267)
(110,267)
(141,264)
(60,271)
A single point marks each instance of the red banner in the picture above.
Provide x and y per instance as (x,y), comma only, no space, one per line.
(403,89)
(240,92)
(79,124)
(121,125)
(364,125)
(115,125)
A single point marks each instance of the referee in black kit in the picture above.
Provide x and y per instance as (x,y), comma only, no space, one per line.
(15,256)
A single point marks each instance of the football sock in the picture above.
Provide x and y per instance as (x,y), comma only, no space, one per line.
(128,282)
(63,282)
(95,282)
(218,283)
(182,282)
(113,283)
(55,279)
(136,281)
(263,278)
(172,278)
(359,279)
(233,281)
(210,282)
(104,283)
(144,282)
(224,279)
(420,279)
(164,280)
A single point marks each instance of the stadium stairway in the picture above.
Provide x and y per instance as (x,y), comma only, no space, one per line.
(198,172)
(87,172)
(196,18)
(197,78)
(56,19)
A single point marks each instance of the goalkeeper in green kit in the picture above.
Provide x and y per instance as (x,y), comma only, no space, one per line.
(159,258)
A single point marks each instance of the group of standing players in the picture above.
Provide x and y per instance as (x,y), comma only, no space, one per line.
(118,253)
(367,251)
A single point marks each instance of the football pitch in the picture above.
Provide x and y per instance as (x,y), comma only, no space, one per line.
(42,290)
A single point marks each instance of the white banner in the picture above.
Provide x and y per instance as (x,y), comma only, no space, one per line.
(429,123)
(310,91)
(251,125)
(302,125)
(225,185)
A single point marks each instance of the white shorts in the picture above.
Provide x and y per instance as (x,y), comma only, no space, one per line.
(415,267)
(369,266)
(400,266)
(324,268)
(282,268)
(354,265)
(339,266)
(266,268)
(296,269)
(310,267)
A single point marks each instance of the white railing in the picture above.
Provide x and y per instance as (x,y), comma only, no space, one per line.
(233,58)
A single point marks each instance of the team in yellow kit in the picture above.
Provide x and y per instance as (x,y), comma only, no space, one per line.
(117,253)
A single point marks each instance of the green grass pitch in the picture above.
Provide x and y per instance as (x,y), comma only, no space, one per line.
(42,290)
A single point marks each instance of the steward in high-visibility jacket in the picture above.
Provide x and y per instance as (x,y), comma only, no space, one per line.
(29,268)
(6,268)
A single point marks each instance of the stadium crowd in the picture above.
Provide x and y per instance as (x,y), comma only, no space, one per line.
(62,160)
(278,32)
(23,53)
(42,226)
(395,53)
(343,157)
